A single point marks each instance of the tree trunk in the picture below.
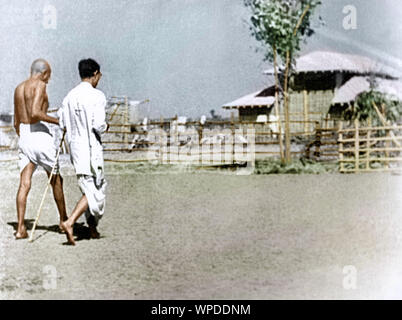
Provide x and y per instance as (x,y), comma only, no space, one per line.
(286,89)
(286,107)
(277,113)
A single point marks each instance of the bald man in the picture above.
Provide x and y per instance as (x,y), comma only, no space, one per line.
(36,144)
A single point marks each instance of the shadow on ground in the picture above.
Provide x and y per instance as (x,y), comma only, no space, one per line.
(81,232)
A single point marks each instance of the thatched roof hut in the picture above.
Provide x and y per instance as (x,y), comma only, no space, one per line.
(253,104)
(357,85)
(320,78)
(336,62)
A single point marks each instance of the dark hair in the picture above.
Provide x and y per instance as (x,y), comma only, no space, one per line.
(87,68)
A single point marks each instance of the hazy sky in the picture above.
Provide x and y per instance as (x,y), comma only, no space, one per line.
(186,56)
(378,33)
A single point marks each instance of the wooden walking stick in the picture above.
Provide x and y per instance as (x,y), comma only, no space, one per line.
(47,186)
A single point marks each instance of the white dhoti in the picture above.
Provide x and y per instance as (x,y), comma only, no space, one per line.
(96,195)
(36,145)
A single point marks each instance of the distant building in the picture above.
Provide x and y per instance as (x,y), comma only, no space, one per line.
(252,105)
(7,118)
(317,88)
(349,92)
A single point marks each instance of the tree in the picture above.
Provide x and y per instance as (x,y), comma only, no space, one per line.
(281,26)
(377,109)
(376,106)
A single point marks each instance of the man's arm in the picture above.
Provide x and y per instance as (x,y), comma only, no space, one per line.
(39,99)
(60,114)
(99,119)
(16,113)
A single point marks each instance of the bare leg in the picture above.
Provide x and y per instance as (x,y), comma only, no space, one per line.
(67,226)
(94,234)
(57,186)
(22,195)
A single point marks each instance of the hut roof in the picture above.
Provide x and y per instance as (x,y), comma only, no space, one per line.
(329,61)
(262,98)
(357,85)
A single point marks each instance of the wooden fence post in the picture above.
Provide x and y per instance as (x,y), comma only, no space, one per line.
(306,111)
(388,145)
(211,150)
(161,142)
(200,131)
(233,136)
(340,138)
(177,138)
(387,142)
(368,145)
(357,145)
(318,136)
(125,121)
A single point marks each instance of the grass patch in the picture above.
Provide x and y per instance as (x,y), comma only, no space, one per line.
(264,166)
(138,167)
(299,166)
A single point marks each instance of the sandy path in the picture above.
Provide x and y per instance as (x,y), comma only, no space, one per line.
(213,236)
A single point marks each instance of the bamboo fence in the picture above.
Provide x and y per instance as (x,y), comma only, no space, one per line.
(369,149)
(357,148)
(265,142)
(241,140)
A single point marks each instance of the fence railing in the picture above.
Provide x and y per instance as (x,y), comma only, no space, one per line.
(324,146)
(357,148)
(367,149)
(199,139)
(217,141)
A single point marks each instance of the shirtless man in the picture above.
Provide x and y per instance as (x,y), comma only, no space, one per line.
(36,144)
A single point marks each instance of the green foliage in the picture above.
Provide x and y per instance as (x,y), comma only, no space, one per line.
(281,25)
(302,166)
(273,23)
(363,108)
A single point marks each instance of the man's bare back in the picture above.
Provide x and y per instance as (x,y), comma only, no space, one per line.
(24,96)
(31,102)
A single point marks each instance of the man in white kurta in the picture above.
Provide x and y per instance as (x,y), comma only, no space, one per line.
(83,117)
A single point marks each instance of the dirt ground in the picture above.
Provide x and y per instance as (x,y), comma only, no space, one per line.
(210,235)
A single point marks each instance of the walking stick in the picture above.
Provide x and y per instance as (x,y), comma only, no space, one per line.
(47,186)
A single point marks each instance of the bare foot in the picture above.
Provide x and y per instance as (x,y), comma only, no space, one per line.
(94,234)
(69,233)
(61,230)
(23,234)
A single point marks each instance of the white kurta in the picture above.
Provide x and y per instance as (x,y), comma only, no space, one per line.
(83,116)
